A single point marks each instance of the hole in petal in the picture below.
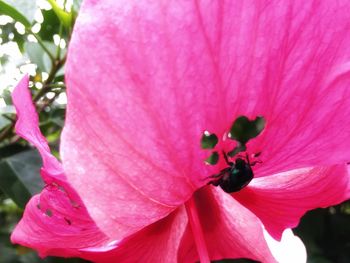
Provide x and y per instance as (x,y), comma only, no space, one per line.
(238,172)
(255,155)
(239,148)
(68,221)
(212,159)
(49,213)
(208,140)
(61,188)
(243,129)
(74,204)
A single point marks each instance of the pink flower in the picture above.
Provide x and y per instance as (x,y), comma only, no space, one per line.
(145,80)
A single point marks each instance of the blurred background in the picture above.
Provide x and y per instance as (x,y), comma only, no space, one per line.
(34,35)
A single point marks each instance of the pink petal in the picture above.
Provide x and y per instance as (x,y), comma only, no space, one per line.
(281,200)
(55,222)
(53,226)
(158,242)
(27,125)
(156,75)
(228,235)
(231,231)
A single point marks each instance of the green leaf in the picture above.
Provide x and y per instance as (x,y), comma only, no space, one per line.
(62,15)
(8,255)
(20,176)
(38,56)
(318,259)
(26,7)
(4,113)
(6,9)
(49,27)
(213,158)
(6,95)
(8,30)
(243,129)
(4,58)
(7,110)
(76,5)
(3,122)
(208,141)
(239,148)
(11,149)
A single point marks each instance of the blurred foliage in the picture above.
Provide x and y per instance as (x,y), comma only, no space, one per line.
(326,232)
(45,50)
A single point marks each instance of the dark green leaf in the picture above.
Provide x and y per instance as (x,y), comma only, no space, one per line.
(326,233)
(20,40)
(239,148)
(10,33)
(11,150)
(20,176)
(213,159)
(243,129)
(6,9)
(50,25)
(6,95)
(66,260)
(3,122)
(208,141)
(8,255)
(4,58)
(318,259)
(26,7)
(10,185)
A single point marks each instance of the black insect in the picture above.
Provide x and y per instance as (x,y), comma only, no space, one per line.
(236,176)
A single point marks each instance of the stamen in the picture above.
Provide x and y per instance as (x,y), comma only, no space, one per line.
(197,231)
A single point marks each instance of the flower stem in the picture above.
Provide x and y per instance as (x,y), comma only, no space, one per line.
(42,44)
(197,231)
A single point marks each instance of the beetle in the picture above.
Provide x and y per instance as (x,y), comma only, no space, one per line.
(236,176)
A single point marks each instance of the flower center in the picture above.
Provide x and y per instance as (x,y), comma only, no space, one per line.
(238,172)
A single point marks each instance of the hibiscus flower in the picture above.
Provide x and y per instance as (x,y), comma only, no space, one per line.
(146,79)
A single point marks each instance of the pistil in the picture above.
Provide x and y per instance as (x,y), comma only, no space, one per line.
(197,231)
